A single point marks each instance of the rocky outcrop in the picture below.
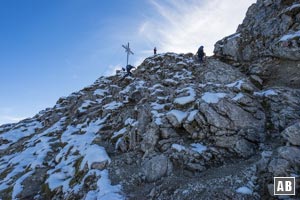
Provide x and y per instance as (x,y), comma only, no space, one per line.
(270,28)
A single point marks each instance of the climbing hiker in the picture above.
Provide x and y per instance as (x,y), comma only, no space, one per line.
(128,70)
(201,54)
(154,50)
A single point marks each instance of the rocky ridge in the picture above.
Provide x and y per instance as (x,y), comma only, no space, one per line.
(176,129)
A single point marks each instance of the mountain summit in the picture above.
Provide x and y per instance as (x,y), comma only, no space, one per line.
(176,129)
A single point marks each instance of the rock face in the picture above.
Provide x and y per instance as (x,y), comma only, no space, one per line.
(271,28)
(292,134)
(177,129)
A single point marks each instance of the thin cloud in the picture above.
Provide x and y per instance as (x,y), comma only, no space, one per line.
(181,26)
(111,70)
(10,119)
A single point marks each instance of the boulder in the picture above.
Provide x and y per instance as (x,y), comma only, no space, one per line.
(291,154)
(156,167)
(292,134)
(279,167)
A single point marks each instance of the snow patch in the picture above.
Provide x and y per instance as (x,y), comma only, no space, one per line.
(178,147)
(244,190)
(192,115)
(186,99)
(180,115)
(234,36)
(210,97)
(198,147)
(119,133)
(94,153)
(238,97)
(290,36)
(236,84)
(113,105)
(265,93)
(157,106)
(85,105)
(100,92)
(130,121)
(105,190)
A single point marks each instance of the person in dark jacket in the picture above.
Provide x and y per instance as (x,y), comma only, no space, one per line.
(128,68)
(154,50)
(201,54)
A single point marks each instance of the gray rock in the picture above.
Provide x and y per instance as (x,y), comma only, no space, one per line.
(226,141)
(283,108)
(256,80)
(244,148)
(292,134)
(167,133)
(150,138)
(252,135)
(156,167)
(99,165)
(174,120)
(292,154)
(262,34)
(279,167)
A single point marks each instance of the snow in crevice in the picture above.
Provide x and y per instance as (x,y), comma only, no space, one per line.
(290,36)
(119,133)
(157,106)
(265,93)
(100,92)
(238,97)
(157,117)
(236,35)
(178,147)
(292,7)
(199,148)
(113,105)
(85,105)
(236,84)
(131,122)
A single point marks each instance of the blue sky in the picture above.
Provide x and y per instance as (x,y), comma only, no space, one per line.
(51,48)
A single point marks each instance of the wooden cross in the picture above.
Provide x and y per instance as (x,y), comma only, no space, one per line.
(128,51)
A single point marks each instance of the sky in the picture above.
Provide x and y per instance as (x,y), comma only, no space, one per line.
(51,48)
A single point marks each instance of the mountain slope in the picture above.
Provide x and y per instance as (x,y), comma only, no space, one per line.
(174,118)
(176,129)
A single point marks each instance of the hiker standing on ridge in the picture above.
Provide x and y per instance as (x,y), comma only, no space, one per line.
(201,54)
(154,50)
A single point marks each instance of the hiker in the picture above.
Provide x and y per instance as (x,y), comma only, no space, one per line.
(154,50)
(128,68)
(201,54)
